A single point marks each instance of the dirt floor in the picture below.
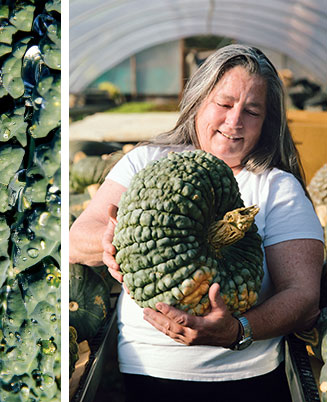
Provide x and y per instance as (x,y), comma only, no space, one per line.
(131,127)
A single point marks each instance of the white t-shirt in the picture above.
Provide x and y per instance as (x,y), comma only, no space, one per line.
(285,213)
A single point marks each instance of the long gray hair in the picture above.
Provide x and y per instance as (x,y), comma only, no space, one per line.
(275,147)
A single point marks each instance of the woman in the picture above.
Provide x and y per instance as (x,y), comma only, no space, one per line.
(233,107)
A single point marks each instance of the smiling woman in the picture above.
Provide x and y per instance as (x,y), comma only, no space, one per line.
(233,108)
(230,119)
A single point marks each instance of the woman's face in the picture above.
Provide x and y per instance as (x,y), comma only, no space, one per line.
(229,120)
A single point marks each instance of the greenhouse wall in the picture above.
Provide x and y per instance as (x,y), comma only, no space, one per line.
(155,71)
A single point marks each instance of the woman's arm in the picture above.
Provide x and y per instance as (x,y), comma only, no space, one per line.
(87,232)
(295,269)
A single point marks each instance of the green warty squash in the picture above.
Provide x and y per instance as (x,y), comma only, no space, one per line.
(182,226)
(89,301)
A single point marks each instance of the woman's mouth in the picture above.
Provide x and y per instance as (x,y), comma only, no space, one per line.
(230,137)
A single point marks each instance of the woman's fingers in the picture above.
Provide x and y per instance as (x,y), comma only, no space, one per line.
(109,249)
(112,211)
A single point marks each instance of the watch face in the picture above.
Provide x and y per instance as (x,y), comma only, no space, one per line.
(246,338)
(244,343)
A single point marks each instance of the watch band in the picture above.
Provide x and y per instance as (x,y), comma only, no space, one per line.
(239,335)
(245,337)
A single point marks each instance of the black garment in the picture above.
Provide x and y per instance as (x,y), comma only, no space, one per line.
(271,387)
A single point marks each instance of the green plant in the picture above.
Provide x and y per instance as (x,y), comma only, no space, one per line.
(30,200)
(176,235)
(145,107)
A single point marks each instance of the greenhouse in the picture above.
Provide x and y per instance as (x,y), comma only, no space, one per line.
(110,32)
(129,64)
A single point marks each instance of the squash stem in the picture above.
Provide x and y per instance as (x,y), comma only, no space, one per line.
(232,227)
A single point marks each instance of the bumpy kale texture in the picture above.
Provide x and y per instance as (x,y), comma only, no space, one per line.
(30,200)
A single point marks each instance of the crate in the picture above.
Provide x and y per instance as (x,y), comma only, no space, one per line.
(100,346)
(301,374)
(309,131)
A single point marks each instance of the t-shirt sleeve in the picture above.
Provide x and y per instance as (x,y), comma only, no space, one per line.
(289,212)
(124,169)
(133,162)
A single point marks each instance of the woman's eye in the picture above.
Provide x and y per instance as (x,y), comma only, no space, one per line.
(223,105)
(252,113)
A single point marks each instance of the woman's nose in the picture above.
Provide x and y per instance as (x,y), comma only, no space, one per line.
(234,118)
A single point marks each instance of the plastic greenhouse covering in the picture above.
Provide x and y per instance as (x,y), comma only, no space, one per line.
(103,33)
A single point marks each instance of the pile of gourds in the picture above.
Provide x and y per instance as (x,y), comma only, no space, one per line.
(89,287)
(89,166)
(316,338)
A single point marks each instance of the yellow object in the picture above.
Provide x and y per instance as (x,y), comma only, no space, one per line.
(309,131)
(112,90)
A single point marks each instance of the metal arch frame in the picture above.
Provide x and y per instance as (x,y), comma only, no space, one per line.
(114,30)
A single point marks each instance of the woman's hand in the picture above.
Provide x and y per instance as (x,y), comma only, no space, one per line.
(109,250)
(217,328)
(86,233)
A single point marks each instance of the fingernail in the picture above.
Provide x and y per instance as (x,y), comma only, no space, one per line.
(159,306)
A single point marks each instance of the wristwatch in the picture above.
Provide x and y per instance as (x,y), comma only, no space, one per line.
(245,337)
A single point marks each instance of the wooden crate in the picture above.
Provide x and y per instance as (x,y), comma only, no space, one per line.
(309,131)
